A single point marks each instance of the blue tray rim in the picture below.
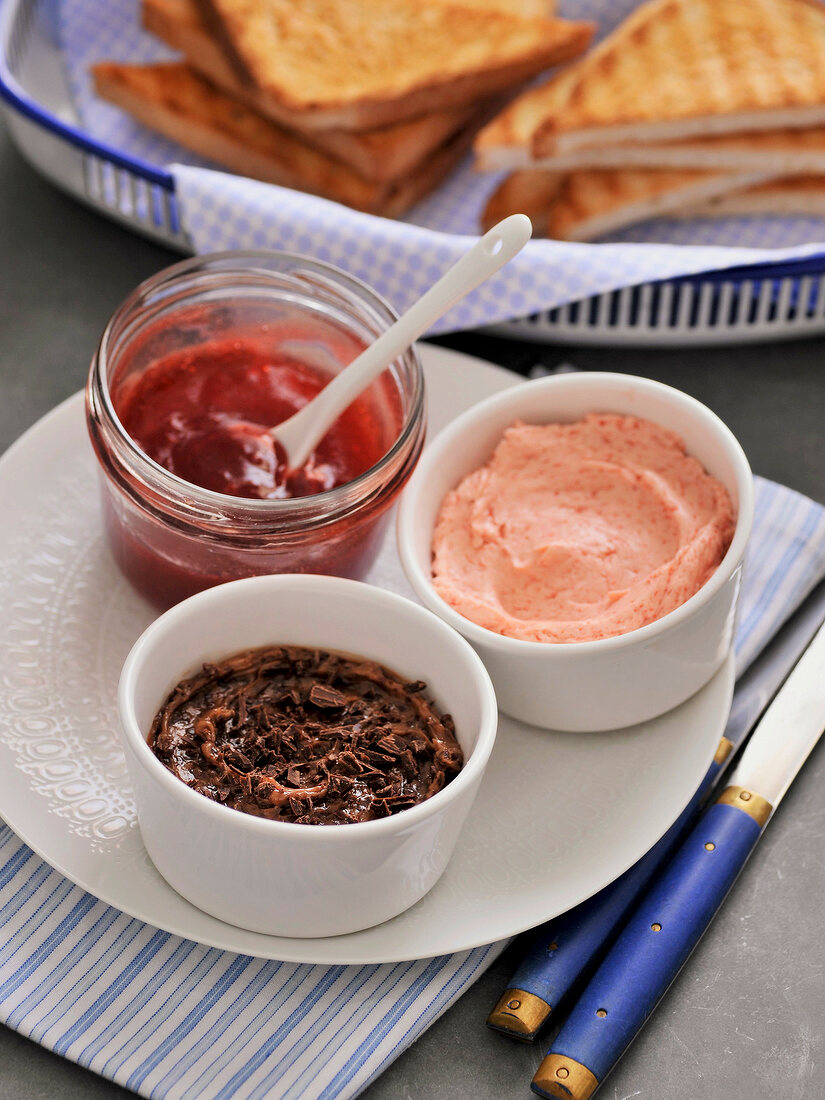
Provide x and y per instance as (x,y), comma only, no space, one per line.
(19,100)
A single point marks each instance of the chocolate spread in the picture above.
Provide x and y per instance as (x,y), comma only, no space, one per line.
(307,736)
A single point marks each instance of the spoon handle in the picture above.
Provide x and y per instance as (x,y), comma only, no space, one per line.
(301,432)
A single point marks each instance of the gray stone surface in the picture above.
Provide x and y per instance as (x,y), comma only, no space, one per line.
(744,1020)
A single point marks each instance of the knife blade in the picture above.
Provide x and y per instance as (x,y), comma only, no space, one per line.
(668,924)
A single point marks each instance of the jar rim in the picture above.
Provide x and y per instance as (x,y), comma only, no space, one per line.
(237,262)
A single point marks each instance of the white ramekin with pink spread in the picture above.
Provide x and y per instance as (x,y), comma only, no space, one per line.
(585,532)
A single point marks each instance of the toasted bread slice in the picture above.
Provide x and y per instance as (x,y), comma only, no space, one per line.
(588,204)
(505,143)
(794,151)
(383,154)
(803,195)
(175,101)
(359,64)
(530,192)
(685,68)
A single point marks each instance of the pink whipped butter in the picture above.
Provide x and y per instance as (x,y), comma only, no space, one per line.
(573,532)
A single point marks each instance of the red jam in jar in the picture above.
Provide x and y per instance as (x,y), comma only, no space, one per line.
(191,372)
(204,415)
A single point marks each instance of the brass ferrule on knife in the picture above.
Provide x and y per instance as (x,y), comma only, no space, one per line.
(519,1014)
(723,750)
(748,802)
(565,1078)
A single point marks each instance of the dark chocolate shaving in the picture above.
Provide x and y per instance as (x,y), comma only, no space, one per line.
(307,736)
(323,696)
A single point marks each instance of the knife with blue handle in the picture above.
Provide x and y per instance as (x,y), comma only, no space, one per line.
(565,949)
(668,924)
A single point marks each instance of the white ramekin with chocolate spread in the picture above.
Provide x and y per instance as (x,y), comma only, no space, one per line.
(335,736)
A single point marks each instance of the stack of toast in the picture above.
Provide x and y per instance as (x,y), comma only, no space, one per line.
(362,102)
(689,108)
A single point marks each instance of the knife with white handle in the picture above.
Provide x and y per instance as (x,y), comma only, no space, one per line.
(668,924)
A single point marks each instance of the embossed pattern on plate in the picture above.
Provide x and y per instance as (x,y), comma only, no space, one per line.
(558,816)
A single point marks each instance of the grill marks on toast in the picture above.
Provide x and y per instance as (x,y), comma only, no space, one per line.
(690,107)
(683,68)
(381,154)
(358,64)
(673,70)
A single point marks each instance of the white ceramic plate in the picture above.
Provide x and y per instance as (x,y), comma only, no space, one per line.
(558,815)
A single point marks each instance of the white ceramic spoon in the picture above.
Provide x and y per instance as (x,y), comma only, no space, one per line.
(299,434)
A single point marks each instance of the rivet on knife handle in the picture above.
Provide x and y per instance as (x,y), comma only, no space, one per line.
(520,1014)
(749,803)
(562,1077)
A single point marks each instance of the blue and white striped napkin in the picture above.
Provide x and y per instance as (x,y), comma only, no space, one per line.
(403,258)
(174,1020)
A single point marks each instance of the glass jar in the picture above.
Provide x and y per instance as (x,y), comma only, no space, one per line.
(172,538)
